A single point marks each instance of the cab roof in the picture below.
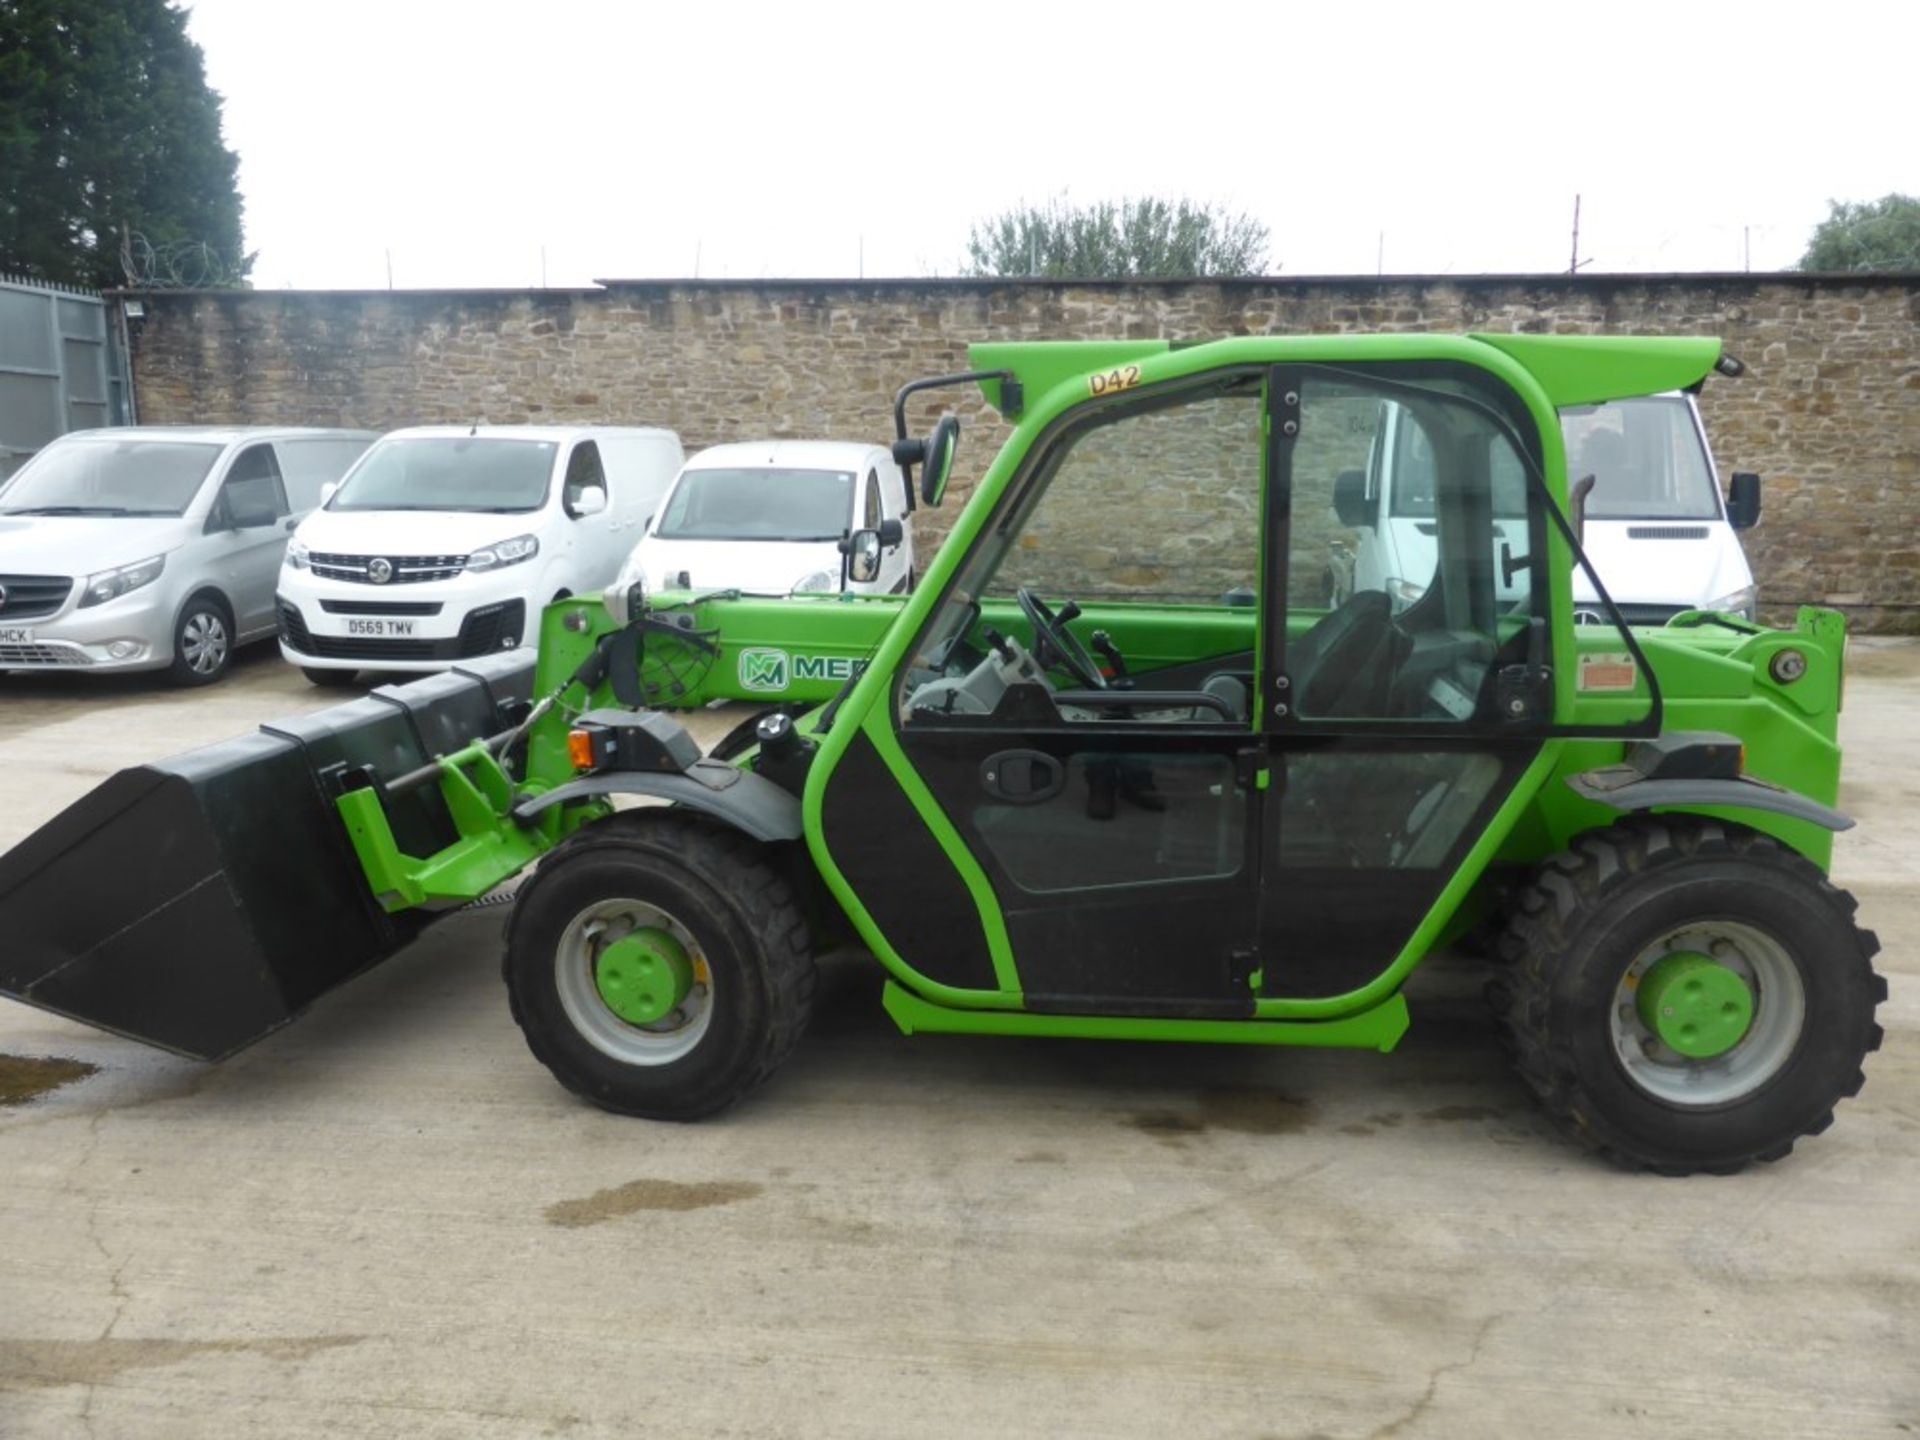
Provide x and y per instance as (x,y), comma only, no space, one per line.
(1571,369)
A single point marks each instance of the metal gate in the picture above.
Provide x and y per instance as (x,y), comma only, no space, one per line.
(62,367)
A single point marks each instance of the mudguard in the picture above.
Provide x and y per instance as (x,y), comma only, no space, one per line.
(1746,793)
(751,803)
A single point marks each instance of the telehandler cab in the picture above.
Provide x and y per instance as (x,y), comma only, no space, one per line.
(1115,769)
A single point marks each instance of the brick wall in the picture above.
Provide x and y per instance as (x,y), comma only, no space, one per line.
(1829,413)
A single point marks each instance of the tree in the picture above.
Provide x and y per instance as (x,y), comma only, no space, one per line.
(108,128)
(1117,240)
(1879,234)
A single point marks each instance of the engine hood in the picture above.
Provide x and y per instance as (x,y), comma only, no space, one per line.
(82,545)
(756,567)
(1667,564)
(411,532)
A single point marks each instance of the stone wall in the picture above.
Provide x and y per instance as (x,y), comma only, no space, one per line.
(1829,412)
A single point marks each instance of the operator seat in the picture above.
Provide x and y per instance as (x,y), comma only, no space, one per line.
(1344,666)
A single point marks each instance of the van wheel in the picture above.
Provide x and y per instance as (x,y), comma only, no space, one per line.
(659,966)
(1687,995)
(202,642)
(331,679)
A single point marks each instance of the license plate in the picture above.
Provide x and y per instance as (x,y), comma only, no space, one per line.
(387,628)
(15,635)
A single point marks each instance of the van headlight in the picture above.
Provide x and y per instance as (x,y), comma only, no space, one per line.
(819,582)
(504,552)
(112,584)
(1744,603)
(297,555)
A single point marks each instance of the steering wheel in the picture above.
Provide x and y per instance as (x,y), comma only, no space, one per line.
(1051,634)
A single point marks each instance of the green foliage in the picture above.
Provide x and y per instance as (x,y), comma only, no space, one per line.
(1117,240)
(1879,234)
(107,126)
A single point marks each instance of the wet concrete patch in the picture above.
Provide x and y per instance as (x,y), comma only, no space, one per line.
(1241,1111)
(25,1077)
(43,1364)
(638,1195)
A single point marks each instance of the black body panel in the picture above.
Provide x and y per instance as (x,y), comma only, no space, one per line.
(903,877)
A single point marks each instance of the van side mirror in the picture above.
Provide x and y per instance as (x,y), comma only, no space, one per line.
(863,549)
(590,501)
(1743,500)
(328,491)
(1350,500)
(892,532)
(250,506)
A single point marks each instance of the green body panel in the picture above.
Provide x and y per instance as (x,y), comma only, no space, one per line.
(1377,1029)
(805,650)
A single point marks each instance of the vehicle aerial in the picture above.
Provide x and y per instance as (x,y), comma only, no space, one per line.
(770,518)
(155,547)
(1654,523)
(444,541)
(1114,769)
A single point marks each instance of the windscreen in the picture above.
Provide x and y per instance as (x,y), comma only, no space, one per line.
(110,477)
(1646,457)
(463,472)
(759,504)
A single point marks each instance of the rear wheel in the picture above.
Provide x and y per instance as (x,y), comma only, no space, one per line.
(1687,995)
(659,966)
(331,679)
(202,642)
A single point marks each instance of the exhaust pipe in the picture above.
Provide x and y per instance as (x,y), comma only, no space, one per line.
(202,902)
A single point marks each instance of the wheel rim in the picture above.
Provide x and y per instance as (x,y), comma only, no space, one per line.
(203,641)
(621,961)
(1708,1014)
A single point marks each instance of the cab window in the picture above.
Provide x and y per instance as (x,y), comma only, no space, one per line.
(584,473)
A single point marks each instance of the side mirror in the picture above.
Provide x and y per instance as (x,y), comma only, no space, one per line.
(251,508)
(328,491)
(1743,500)
(590,501)
(892,532)
(938,464)
(1350,500)
(864,548)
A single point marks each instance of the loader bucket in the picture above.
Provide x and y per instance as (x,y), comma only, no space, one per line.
(201,902)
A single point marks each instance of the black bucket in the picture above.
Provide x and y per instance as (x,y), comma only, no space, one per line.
(204,901)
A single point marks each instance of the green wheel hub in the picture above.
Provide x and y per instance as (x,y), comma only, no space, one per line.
(1696,1005)
(643,976)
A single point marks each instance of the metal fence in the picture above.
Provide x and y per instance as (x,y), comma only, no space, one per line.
(62,367)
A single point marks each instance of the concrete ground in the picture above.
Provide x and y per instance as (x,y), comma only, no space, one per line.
(389,1220)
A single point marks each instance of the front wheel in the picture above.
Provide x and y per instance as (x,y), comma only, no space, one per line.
(202,642)
(1687,995)
(659,966)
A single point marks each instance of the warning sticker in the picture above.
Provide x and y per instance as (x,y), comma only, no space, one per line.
(1608,672)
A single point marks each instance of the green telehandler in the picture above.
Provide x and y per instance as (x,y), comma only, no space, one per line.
(1119,767)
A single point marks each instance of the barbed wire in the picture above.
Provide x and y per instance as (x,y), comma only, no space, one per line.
(177,264)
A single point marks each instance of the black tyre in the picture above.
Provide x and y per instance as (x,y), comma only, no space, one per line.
(659,965)
(1687,995)
(202,641)
(331,679)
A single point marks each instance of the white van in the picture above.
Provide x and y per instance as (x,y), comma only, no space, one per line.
(155,547)
(1659,533)
(446,541)
(769,517)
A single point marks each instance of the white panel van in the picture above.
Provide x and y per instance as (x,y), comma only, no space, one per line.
(445,542)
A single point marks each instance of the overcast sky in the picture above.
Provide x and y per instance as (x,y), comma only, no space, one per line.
(824,139)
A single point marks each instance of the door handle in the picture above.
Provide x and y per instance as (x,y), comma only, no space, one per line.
(1022,777)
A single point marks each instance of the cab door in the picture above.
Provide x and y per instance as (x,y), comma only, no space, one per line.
(1095,834)
(248,529)
(1402,716)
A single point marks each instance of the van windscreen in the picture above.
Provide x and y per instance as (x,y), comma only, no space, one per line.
(1646,458)
(110,477)
(454,472)
(759,504)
